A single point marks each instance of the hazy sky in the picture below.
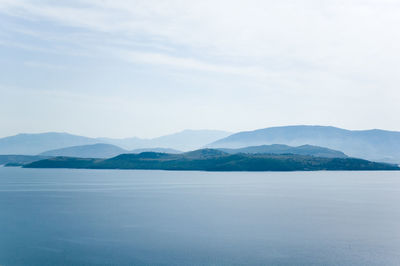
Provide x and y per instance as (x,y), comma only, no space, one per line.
(122,68)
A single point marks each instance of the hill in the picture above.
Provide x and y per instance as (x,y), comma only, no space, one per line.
(214,160)
(99,150)
(204,154)
(285,149)
(376,145)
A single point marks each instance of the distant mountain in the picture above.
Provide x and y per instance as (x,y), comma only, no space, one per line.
(126,143)
(185,140)
(214,160)
(285,149)
(99,150)
(377,145)
(32,144)
(160,150)
(189,139)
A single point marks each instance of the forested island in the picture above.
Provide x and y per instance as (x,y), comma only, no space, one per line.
(214,160)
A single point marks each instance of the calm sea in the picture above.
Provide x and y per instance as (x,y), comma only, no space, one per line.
(111,217)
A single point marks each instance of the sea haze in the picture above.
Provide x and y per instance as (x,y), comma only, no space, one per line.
(86,217)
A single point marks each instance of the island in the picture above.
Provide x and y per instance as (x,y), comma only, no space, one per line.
(215,160)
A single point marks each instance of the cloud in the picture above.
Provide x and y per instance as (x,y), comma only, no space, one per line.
(310,32)
(339,36)
(321,59)
(189,64)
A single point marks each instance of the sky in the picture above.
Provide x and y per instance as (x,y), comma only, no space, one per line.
(118,68)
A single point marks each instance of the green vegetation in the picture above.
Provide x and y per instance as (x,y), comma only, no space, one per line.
(285,149)
(214,160)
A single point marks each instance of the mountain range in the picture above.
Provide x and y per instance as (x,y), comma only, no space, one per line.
(33,144)
(100,150)
(376,145)
(106,151)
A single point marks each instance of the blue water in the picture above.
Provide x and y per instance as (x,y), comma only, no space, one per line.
(111,217)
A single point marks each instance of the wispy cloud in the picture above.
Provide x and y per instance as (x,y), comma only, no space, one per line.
(189,63)
(305,58)
(333,35)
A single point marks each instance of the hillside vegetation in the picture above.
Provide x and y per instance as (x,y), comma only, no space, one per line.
(214,160)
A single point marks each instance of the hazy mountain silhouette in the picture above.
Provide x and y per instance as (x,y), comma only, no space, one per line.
(99,150)
(33,144)
(377,145)
(185,140)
